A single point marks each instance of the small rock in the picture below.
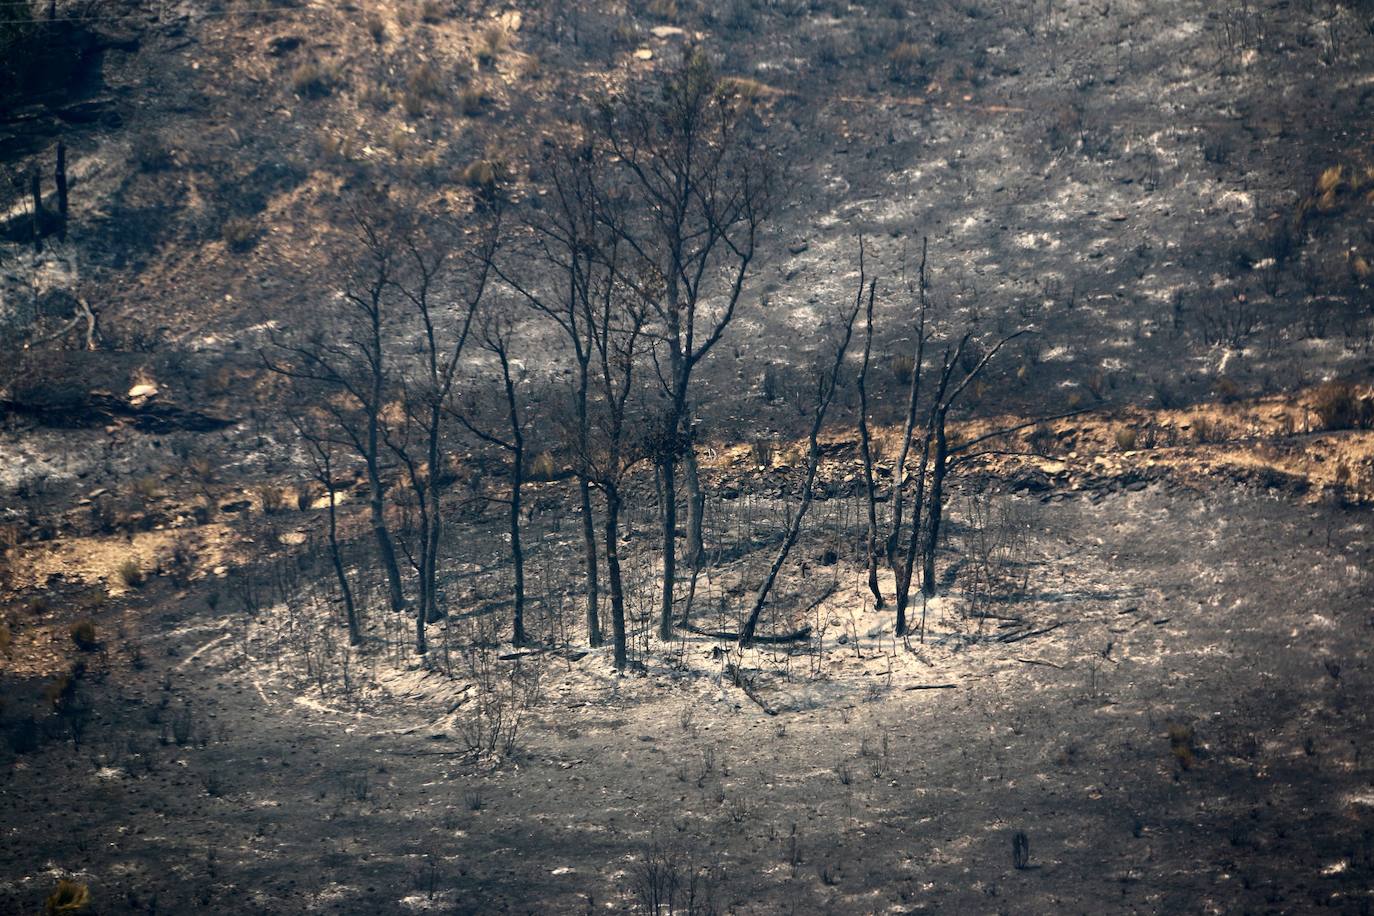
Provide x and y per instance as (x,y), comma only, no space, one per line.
(644,54)
(283,44)
(798,247)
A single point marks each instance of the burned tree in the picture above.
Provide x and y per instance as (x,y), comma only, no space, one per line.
(826,386)
(320,450)
(617,319)
(443,283)
(494,336)
(699,192)
(899,484)
(939,414)
(347,354)
(566,236)
(865,440)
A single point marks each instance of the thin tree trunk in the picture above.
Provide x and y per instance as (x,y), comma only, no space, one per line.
(908,565)
(938,408)
(935,511)
(36,193)
(355,636)
(436,521)
(588,520)
(61,177)
(696,500)
(668,489)
(613,574)
(823,398)
(746,635)
(594,638)
(696,511)
(386,550)
(913,397)
(517,551)
(865,448)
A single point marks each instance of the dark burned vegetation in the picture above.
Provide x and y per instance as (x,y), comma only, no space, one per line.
(675,457)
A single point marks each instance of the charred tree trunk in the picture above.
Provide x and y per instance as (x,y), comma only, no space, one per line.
(584,489)
(824,395)
(517,482)
(594,638)
(668,494)
(696,504)
(355,636)
(935,512)
(386,550)
(62,191)
(36,195)
(908,566)
(913,398)
(613,574)
(938,406)
(866,450)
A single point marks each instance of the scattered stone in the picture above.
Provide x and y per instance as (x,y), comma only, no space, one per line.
(283,44)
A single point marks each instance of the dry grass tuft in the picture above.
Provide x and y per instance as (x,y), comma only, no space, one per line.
(906,62)
(1181,746)
(84,636)
(239,233)
(484,174)
(130,573)
(492,44)
(313,80)
(1338,405)
(67,897)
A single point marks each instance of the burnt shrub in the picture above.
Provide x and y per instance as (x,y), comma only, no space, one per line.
(84,636)
(239,233)
(313,80)
(67,897)
(130,573)
(1338,405)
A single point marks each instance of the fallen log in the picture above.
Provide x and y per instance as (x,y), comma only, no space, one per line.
(1027,634)
(795,636)
(1036,661)
(737,677)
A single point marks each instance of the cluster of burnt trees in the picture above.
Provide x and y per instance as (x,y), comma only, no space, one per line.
(626,261)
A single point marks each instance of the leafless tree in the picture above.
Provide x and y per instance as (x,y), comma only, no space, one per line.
(946,399)
(617,319)
(700,186)
(900,482)
(826,385)
(320,450)
(346,352)
(865,440)
(494,336)
(443,279)
(566,236)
